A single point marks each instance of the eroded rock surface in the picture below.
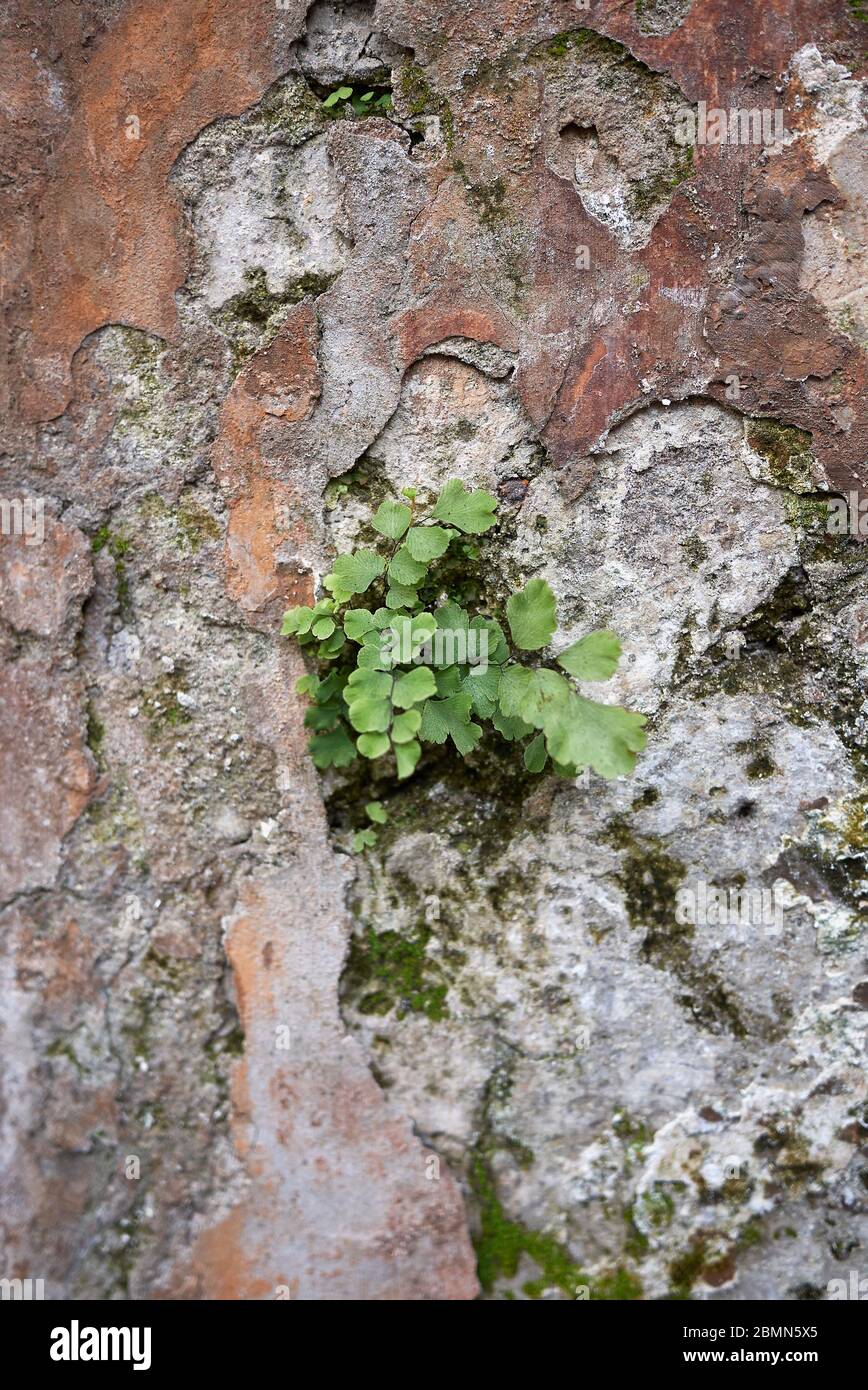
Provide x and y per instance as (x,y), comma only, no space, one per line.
(239,1061)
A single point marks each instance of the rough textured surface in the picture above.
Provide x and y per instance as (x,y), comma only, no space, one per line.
(239,1062)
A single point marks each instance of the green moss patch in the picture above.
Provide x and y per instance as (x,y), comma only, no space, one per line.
(786,450)
(118,546)
(590,43)
(415,97)
(161,706)
(251,318)
(389,970)
(650,878)
(193,526)
(646,194)
(501,1243)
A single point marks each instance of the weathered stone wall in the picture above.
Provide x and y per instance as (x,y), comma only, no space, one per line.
(237,1060)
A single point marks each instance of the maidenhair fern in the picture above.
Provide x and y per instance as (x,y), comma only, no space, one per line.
(414,666)
(344,99)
